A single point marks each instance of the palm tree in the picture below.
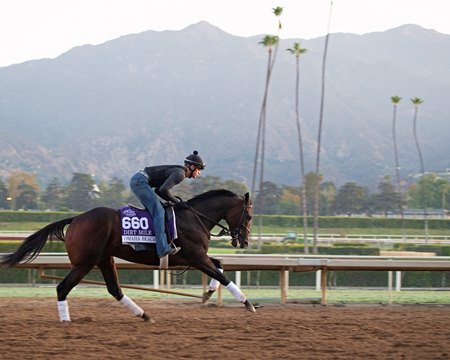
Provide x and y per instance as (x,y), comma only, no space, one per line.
(395,101)
(319,134)
(417,102)
(277,12)
(271,43)
(297,50)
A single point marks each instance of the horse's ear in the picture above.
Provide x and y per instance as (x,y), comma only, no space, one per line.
(247,198)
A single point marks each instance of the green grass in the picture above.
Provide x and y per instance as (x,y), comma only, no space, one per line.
(218,251)
(266,295)
(349,231)
(21,226)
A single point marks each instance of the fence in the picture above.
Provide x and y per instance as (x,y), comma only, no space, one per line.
(284,264)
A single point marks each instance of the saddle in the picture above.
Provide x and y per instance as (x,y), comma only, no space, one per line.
(138,229)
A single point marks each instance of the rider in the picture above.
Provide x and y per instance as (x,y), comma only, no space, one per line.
(158,180)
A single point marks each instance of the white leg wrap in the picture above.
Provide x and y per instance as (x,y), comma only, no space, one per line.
(237,293)
(131,305)
(63,311)
(214,284)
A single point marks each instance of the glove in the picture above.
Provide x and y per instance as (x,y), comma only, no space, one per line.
(182,205)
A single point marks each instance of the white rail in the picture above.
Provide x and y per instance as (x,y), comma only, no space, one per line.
(283,264)
(322,238)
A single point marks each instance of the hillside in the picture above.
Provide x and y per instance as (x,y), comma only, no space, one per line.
(153,97)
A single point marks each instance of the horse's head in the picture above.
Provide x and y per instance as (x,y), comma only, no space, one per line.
(239,220)
(215,205)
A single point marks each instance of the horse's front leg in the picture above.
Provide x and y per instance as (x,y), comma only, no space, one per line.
(213,284)
(216,273)
(239,295)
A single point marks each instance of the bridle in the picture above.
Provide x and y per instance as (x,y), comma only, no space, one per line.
(235,232)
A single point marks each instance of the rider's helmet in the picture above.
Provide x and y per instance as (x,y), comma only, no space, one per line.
(195,159)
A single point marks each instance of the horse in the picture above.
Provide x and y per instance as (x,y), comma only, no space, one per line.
(93,238)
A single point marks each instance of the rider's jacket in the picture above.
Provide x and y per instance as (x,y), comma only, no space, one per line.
(164,177)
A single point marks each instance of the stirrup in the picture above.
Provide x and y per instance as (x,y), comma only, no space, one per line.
(173,250)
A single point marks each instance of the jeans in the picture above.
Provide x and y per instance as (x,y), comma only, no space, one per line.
(147,196)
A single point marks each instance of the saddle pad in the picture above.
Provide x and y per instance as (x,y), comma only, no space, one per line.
(137,225)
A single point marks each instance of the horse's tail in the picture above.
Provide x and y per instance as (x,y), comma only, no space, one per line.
(33,244)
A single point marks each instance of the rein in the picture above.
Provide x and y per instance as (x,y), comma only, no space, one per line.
(197,214)
(225,230)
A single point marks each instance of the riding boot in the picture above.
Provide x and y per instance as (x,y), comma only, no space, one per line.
(164,262)
(172,250)
(164,259)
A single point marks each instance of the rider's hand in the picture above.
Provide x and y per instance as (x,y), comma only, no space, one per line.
(182,205)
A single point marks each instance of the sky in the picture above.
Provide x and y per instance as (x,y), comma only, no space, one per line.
(36,29)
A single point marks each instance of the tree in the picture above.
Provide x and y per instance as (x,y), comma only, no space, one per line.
(53,195)
(328,193)
(27,198)
(430,190)
(270,42)
(297,50)
(4,202)
(290,200)
(417,102)
(16,184)
(205,183)
(112,193)
(387,199)
(312,182)
(80,195)
(445,191)
(319,133)
(237,187)
(272,196)
(278,11)
(395,101)
(349,199)
(215,182)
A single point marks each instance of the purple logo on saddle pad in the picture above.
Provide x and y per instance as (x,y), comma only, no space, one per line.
(137,225)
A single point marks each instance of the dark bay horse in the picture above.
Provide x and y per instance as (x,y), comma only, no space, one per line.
(93,238)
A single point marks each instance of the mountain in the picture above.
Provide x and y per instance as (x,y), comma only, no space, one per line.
(153,97)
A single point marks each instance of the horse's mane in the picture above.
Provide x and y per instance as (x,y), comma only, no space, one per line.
(210,194)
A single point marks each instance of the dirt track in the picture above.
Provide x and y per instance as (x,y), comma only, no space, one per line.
(102,329)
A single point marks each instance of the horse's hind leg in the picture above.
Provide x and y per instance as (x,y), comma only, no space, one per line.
(108,269)
(71,280)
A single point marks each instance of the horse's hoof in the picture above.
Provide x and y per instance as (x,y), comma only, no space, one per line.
(206,296)
(249,306)
(147,318)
